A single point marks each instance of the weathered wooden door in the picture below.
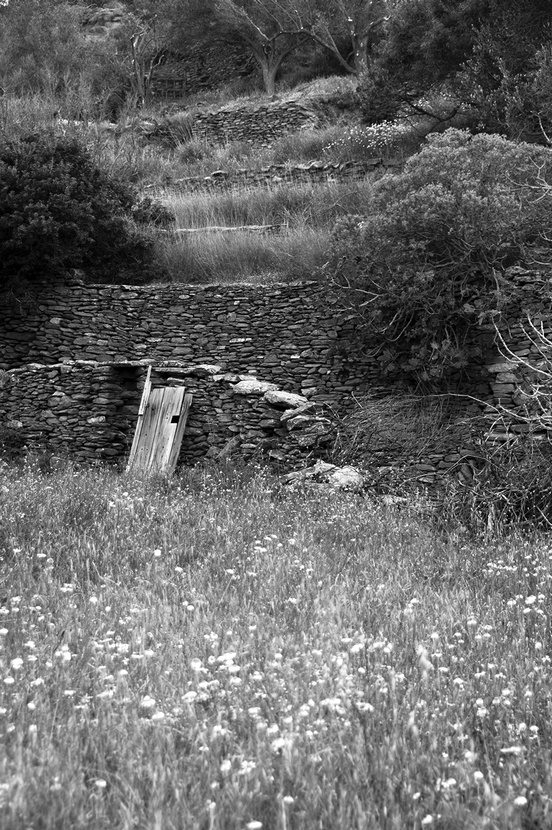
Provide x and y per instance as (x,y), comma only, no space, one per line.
(161,422)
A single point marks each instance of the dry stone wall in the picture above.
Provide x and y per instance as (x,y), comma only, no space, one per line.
(286,334)
(88,410)
(83,408)
(260,126)
(74,365)
(208,65)
(311,173)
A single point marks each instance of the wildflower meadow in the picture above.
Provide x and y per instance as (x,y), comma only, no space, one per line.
(214,651)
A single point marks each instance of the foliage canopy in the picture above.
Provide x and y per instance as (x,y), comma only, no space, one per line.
(422,267)
(59,211)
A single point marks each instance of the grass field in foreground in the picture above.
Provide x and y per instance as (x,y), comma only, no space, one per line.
(213,652)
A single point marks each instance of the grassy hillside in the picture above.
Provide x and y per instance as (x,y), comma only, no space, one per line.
(308,213)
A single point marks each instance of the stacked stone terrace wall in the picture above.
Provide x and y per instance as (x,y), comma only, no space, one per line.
(262,125)
(88,410)
(311,173)
(287,335)
(206,66)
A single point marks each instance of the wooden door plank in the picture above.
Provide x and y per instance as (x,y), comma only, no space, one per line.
(172,404)
(139,424)
(179,433)
(145,393)
(160,430)
(152,425)
(147,431)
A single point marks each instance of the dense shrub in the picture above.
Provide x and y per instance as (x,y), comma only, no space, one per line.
(148,211)
(421,268)
(483,51)
(426,41)
(505,85)
(59,211)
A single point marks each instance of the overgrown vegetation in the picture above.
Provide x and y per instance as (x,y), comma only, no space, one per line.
(214,651)
(424,265)
(58,211)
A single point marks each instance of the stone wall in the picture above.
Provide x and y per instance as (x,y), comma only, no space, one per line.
(261,125)
(311,173)
(286,334)
(88,410)
(205,66)
(82,408)
(76,361)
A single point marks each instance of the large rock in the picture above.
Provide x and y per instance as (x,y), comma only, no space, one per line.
(254,387)
(327,477)
(300,410)
(298,422)
(285,400)
(345,478)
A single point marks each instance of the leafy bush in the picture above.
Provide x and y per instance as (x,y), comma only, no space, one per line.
(426,41)
(150,211)
(59,211)
(421,268)
(501,82)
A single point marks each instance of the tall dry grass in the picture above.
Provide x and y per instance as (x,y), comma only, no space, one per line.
(241,256)
(213,652)
(115,148)
(308,211)
(294,204)
(305,214)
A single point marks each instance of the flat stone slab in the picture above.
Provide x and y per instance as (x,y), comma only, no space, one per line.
(300,410)
(285,400)
(200,370)
(505,366)
(254,387)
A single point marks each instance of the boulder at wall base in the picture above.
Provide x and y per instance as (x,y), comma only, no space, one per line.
(345,478)
(327,476)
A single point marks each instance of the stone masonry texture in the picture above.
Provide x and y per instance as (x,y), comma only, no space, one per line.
(74,360)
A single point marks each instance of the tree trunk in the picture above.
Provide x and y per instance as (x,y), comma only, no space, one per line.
(361,61)
(269,61)
(269,70)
